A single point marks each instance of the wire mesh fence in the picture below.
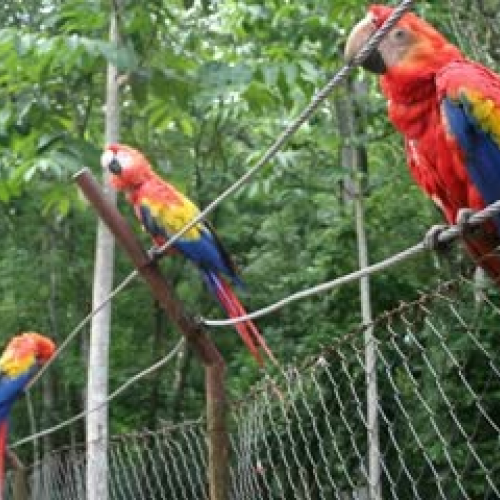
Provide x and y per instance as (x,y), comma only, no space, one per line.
(303,434)
(438,410)
(165,464)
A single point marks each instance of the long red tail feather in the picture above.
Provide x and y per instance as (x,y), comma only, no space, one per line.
(246,329)
(228,305)
(252,330)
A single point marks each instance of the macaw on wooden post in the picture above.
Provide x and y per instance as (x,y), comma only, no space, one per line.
(163,211)
(447,107)
(22,357)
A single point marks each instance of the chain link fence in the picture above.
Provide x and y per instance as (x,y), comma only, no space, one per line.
(303,434)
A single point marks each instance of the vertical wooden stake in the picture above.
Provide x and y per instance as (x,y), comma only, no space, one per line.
(218,443)
(20,488)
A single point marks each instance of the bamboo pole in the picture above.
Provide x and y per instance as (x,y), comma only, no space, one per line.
(216,404)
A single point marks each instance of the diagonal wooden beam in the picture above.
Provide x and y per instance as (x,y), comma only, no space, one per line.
(193,331)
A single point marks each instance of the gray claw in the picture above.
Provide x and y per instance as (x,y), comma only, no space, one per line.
(431,238)
(154,253)
(463,218)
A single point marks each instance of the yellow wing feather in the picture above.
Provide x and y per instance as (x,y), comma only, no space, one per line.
(485,111)
(13,365)
(173,217)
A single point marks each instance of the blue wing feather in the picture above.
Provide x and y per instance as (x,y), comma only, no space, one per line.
(482,154)
(149,222)
(205,251)
(10,388)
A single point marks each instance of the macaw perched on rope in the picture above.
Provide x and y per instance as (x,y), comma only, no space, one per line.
(448,109)
(24,354)
(163,211)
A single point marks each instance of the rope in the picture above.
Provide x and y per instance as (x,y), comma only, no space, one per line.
(336,80)
(120,438)
(110,398)
(80,327)
(446,235)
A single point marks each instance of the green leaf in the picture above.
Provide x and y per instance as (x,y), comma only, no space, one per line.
(260,97)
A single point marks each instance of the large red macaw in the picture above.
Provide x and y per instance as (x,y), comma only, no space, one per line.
(448,109)
(24,354)
(163,211)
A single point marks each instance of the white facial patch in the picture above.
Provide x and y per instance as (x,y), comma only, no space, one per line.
(124,159)
(360,33)
(107,158)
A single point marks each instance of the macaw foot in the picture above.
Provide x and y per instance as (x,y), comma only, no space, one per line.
(155,253)
(463,222)
(431,238)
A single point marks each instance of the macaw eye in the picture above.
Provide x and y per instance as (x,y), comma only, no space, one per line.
(399,35)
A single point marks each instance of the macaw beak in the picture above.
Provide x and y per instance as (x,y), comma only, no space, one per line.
(114,166)
(358,37)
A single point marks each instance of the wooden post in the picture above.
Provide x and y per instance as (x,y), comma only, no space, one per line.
(20,488)
(218,441)
(218,444)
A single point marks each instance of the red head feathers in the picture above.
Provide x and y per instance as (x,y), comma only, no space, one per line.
(413,48)
(23,351)
(129,166)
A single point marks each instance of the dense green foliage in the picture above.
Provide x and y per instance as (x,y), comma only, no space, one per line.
(205,90)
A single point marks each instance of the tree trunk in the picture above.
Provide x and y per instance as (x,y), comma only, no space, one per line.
(354,160)
(183,365)
(97,387)
(47,381)
(155,379)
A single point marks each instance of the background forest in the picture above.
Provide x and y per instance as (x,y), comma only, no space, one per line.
(205,88)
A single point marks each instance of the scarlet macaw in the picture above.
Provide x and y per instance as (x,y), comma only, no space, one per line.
(24,354)
(164,211)
(448,109)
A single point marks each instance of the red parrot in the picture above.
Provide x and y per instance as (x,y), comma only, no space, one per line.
(21,358)
(163,211)
(447,108)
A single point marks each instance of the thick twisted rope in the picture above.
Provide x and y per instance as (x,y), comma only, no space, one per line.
(446,235)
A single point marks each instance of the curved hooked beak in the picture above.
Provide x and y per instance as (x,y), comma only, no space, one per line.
(114,166)
(358,37)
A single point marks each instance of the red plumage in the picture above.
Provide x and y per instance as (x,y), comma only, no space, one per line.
(423,77)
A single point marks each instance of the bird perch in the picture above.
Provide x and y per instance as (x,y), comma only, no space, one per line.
(218,442)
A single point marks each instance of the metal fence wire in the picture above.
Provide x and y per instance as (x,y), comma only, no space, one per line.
(169,463)
(303,434)
(437,364)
